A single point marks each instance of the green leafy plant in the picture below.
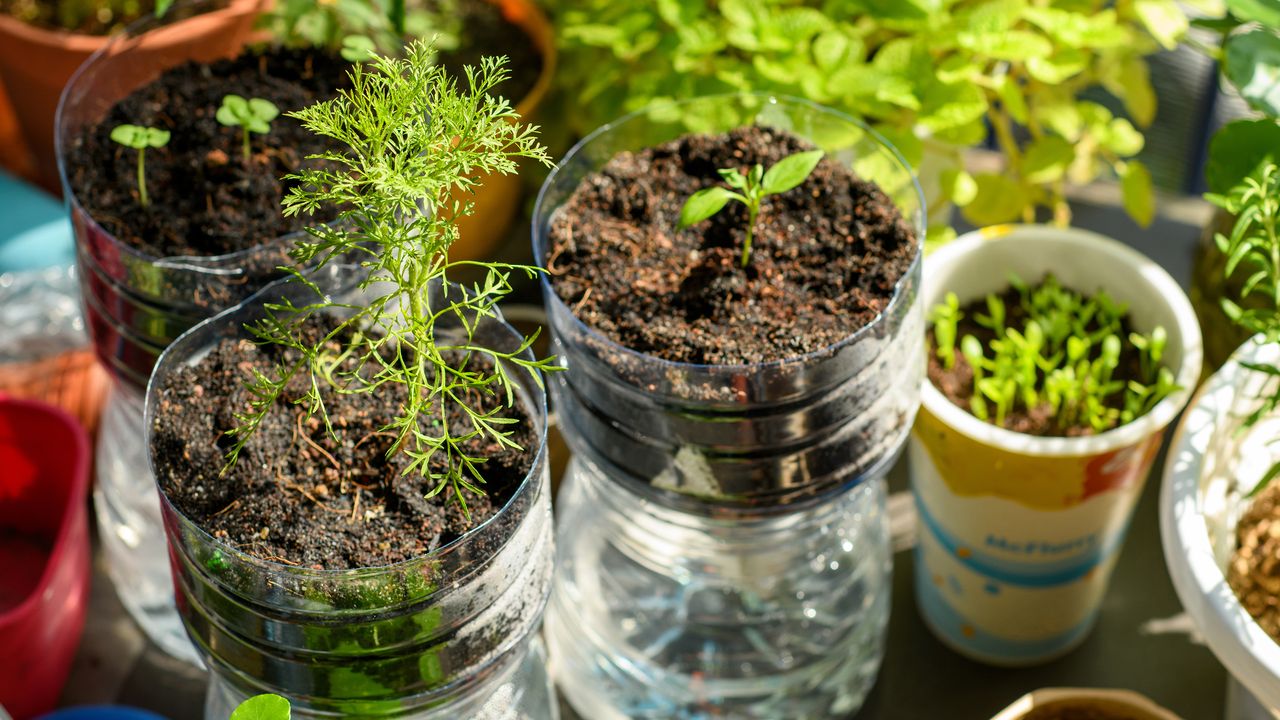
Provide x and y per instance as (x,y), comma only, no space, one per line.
(140,138)
(252,115)
(1253,248)
(750,189)
(416,140)
(262,707)
(1063,359)
(359,28)
(930,75)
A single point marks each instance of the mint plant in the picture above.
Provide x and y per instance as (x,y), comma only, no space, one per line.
(350,27)
(140,138)
(1063,359)
(750,189)
(931,76)
(262,707)
(252,115)
(416,139)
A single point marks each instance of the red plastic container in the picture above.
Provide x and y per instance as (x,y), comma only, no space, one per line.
(44,552)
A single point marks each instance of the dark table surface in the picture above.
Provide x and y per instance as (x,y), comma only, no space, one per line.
(1142,641)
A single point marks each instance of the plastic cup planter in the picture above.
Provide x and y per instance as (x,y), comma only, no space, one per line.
(44,552)
(1091,703)
(1019,534)
(723,545)
(1210,469)
(451,634)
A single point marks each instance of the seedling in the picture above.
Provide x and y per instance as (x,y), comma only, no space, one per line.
(1064,358)
(252,115)
(140,138)
(416,139)
(750,190)
(1254,247)
(262,707)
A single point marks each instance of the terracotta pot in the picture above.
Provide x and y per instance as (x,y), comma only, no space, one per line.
(500,196)
(1123,703)
(13,151)
(35,65)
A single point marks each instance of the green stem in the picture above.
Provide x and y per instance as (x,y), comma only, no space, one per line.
(246,146)
(752,211)
(142,180)
(1003,126)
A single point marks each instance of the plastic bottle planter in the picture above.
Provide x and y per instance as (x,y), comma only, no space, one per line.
(723,545)
(1019,534)
(448,635)
(136,304)
(44,552)
(1210,468)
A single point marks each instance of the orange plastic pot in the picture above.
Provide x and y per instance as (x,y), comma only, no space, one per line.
(36,63)
(499,196)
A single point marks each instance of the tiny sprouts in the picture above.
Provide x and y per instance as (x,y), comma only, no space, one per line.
(1254,247)
(750,190)
(416,139)
(252,115)
(140,138)
(1064,360)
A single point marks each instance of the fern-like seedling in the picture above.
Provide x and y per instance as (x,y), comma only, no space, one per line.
(252,115)
(750,190)
(140,138)
(415,141)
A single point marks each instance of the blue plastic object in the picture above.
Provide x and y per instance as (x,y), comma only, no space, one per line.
(34,229)
(101,712)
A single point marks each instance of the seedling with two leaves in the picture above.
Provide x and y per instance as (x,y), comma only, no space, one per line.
(252,115)
(750,189)
(1064,358)
(140,138)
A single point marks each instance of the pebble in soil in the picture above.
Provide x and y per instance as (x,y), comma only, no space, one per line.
(825,261)
(298,496)
(1254,571)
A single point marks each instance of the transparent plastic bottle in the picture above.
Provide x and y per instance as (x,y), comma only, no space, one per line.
(722,537)
(131,528)
(449,634)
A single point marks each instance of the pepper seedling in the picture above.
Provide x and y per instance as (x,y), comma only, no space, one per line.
(140,138)
(252,115)
(750,190)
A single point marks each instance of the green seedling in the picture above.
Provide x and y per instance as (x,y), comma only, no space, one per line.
(252,115)
(140,138)
(750,190)
(413,138)
(1063,359)
(1254,248)
(262,707)
(946,318)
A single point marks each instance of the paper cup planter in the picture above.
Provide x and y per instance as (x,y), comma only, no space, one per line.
(1019,534)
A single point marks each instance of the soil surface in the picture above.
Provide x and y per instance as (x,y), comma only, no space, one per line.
(1079,710)
(824,261)
(1254,572)
(298,497)
(487,32)
(206,199)
(957,383)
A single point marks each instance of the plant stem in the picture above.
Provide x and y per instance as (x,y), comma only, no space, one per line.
(396,15)
(752,211)
(246,146)
(1002,124)
(142,179)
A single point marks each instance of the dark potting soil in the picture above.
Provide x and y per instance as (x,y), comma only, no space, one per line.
(957,383)
(1082,710)
(205,198)
(298,497)
(487,32)
(824,262)
(1254,571)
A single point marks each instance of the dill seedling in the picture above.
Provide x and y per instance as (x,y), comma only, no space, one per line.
(415,140)
(1254,247)
(140,138)
(252,115)
(750,190)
